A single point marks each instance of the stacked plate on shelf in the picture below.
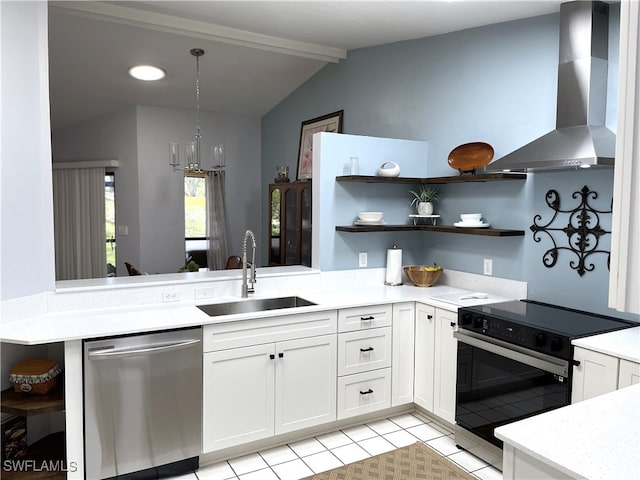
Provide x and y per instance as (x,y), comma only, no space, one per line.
(370,218)
(471,220)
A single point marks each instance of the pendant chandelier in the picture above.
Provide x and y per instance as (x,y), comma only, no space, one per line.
(193,150)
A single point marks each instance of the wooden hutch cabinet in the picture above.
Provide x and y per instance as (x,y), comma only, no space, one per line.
(290,223)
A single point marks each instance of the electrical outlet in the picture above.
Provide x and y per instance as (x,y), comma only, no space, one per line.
(170,296)
(204,293)
(362,259)
(488,266)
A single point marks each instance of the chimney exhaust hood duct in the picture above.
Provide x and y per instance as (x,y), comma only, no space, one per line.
(581,138)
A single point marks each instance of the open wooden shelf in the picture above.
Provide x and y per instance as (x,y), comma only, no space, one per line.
(51,450)
(481,177)
(26,404)
(489,232)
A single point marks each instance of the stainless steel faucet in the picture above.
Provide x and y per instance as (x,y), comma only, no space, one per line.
(245,287)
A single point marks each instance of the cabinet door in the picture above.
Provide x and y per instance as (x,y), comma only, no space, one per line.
(306,374)
(402,353)
(596,374)
(444,385)
(629,373)
(238,396)
(305,226)
(424,355)
(275,224)
(291,227)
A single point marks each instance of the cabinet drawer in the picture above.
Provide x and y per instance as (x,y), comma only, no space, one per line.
(256,331)
(364,392)
(350,319)
(365,350)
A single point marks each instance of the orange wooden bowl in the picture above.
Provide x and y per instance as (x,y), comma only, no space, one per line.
(470,156)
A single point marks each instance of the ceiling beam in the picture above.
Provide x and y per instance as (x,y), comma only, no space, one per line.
(197,29)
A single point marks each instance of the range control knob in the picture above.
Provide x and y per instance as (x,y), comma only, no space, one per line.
(556,344)
(539,339)
(477,322)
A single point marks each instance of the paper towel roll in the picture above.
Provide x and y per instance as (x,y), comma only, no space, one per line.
(394,266)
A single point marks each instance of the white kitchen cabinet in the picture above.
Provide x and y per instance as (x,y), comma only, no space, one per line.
(257,389)
(364,359)
(424,355)
(305,383)
(403,353)
(628,373)
(445,352)
(595,375)
(238,396)
(255,392)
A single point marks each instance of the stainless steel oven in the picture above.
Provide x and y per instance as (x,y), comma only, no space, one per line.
(514,361)
(499,383)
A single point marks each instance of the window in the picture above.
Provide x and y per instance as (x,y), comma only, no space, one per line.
(110,221)
(195,218)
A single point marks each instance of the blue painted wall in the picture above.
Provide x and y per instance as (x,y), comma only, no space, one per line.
(495,84)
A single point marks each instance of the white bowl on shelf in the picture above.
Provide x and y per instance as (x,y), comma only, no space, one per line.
(370,217)
(471,217)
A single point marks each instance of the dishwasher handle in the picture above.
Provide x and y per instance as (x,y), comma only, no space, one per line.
(105,353)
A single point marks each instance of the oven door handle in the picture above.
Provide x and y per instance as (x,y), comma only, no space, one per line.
(513,352)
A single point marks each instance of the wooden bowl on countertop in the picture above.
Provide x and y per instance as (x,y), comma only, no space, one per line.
(421,277)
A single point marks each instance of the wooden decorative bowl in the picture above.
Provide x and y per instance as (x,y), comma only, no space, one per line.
(422,277)
(468,157)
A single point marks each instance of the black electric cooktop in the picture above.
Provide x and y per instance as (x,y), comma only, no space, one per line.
(551,319)
(537,326)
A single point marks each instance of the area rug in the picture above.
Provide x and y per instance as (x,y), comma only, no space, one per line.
(416,461)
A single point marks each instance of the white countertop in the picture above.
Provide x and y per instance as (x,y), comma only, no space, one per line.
(622,344)
(92,323)
(596,439)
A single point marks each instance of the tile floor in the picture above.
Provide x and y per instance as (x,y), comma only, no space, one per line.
(318,454)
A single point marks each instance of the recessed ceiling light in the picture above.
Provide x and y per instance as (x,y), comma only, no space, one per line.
(148,73)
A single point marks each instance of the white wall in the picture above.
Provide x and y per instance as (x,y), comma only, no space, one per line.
(161,189)
(26,208)
(110,137)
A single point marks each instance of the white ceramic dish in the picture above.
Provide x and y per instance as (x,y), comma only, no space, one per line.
(370,216)
(472,224)
(360,222)
(471,217)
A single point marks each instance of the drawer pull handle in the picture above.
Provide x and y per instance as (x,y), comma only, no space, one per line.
(368,349)
(453,324)
(367,392)
(366,319)
(576,363)
(272,356)
(280,355)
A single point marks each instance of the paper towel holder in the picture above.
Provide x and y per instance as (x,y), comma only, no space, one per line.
(389,280)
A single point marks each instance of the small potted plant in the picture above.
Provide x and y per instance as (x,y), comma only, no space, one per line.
(424,199)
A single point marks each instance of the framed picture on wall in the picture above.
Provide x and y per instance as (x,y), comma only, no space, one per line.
(331,122)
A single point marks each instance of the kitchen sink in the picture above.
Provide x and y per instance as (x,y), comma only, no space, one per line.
(254,305)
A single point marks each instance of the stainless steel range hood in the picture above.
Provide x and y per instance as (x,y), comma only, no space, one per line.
(581,138)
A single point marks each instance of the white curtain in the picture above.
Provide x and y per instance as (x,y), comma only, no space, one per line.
(79,223)
(216,221)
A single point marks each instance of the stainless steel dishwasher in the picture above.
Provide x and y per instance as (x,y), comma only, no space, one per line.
(142,400)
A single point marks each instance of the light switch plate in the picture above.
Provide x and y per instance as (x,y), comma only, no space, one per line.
(362,259)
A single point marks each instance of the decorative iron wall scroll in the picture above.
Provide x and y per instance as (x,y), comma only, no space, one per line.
(583,231)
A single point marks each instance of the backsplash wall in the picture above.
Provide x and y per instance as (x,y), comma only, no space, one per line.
(495,84)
